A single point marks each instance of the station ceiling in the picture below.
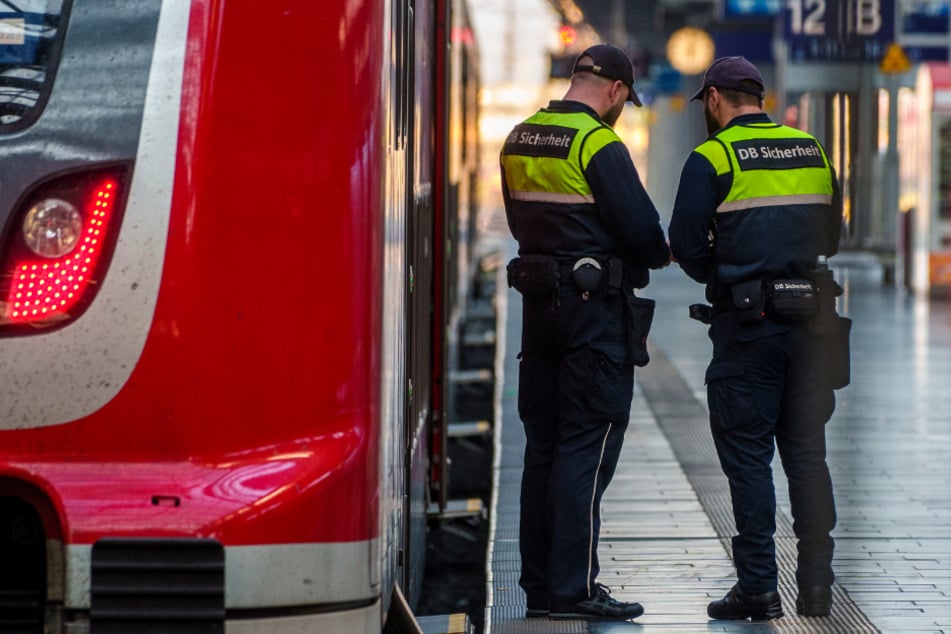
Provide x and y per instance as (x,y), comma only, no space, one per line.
(637,23)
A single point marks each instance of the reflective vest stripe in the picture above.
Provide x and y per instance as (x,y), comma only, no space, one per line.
(774,201)
(552,197)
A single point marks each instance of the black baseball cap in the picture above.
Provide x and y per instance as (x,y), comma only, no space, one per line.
(733,73)
(610,62)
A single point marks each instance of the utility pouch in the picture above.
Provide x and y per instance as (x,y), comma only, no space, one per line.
(837,366)
(587,275)
(792,300)
(749,298)
(640,314)
(533,275)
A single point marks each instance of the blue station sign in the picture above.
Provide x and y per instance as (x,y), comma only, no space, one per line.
(923,27)
(751,8)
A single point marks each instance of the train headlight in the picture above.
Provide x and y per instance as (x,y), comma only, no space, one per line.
(52,228)
(51,266)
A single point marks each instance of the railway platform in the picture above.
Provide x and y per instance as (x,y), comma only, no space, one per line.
(667,519)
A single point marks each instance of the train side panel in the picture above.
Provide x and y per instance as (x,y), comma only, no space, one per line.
(240,376)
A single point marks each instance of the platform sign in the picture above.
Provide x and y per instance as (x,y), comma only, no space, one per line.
(924,29)
(751,8)
(843,30)
(921,17)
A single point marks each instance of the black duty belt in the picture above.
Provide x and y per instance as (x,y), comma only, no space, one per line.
(538,275)
(788,299)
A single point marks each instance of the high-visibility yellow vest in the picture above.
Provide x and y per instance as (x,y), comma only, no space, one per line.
(545,156)
(774,219)
(771,165)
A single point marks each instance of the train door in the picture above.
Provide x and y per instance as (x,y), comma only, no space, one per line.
(397,318)
(419,45)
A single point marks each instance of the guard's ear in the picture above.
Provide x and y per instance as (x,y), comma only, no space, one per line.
(620,87)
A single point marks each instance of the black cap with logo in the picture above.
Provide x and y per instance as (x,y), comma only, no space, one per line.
(610,62)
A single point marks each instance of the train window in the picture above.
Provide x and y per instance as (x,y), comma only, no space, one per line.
(402,60)
(31,34)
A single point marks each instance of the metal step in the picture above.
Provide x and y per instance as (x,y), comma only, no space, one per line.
(483,338)
(466,429)
(445,624)
(479,375)
(457,509)
(481,310)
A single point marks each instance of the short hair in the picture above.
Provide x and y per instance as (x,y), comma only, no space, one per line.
(588,77)
(740,98)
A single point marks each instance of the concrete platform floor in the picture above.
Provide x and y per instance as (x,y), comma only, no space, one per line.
(666,519)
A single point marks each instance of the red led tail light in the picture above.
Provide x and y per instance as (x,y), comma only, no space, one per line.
(49,285)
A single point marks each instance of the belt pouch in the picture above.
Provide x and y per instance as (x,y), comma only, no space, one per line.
(837,354)
(640,314)
(749,298)
(533,275)
(792,300)
(587,275)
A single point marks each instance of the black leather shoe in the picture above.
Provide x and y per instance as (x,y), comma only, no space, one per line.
(814,601)
(601,607)
(737,605)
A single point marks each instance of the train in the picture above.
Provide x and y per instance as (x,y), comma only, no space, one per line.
(236,239)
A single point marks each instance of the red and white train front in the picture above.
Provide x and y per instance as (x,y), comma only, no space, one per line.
(204,321)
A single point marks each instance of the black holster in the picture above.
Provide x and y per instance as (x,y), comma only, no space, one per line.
(832,329)
(837,365)
(640,315)
(825,321)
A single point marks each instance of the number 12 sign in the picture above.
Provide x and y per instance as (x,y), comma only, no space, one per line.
(838,30)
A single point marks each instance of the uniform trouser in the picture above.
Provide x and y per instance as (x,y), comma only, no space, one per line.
(575,390)
(760,391)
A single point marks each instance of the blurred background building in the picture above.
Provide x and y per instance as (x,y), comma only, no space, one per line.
(870,78)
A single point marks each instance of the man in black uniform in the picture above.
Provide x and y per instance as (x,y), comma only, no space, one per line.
(758,205)
(587,234)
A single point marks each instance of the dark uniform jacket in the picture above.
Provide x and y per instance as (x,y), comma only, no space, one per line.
(571,190)
(756,200)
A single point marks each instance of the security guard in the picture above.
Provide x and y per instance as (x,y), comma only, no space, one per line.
(587,234)
(758,204)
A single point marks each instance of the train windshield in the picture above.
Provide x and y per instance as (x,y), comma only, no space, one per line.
(31,32)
